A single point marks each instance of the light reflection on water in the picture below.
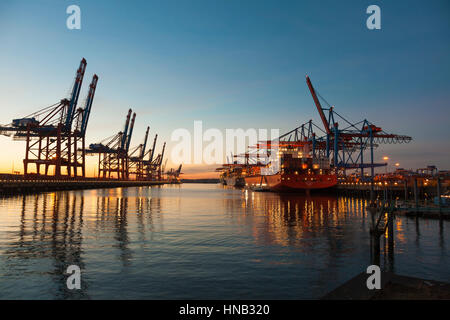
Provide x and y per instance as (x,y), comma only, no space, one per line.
(198,241)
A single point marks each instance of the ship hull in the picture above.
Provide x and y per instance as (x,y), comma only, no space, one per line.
(234,182)
(278,182)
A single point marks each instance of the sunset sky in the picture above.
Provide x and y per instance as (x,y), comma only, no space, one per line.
(233,64)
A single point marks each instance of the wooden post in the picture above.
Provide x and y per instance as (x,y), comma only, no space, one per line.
(438,186)
(390,236)
(416,201)
(374,235)
(375,246)
(391,230)
(406,190)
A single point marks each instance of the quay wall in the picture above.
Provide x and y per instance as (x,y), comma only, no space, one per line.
(38,185)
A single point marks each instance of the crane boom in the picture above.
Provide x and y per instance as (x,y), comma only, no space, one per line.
(145,144)
(153,148)
(75,94)
(131,132)
(87,108)
(162,153)
(125,130)
(318,105)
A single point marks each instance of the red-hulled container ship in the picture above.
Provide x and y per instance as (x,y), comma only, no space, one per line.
(294,169)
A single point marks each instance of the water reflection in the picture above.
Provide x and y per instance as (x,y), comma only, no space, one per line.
(50,228)
(292,216)
(162,242)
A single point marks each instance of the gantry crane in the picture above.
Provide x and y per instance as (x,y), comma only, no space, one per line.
(136,166)
(152,166)
(347,144)
(52,139)
(344,143)
(148,169)
(113,152)
(174,175)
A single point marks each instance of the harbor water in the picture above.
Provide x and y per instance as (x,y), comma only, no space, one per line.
(199,241)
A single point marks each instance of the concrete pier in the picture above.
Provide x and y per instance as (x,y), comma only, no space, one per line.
(9,186)
(410,199)
(400,190)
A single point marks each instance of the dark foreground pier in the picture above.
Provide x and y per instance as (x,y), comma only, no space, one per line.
(393,286)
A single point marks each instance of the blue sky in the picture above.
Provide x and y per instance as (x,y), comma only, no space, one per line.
(234,64)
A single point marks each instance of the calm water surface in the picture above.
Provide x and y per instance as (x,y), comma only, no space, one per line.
(199,241)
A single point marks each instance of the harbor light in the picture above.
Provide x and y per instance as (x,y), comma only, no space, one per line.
(385,158)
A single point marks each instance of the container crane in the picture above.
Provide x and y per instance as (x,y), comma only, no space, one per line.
(153,148)
(137,162)
(82,117)
(174,175)
(348,143)
(51,140)
(124,154)
(155,165)
(149,167)
(75,94)
(113,154)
